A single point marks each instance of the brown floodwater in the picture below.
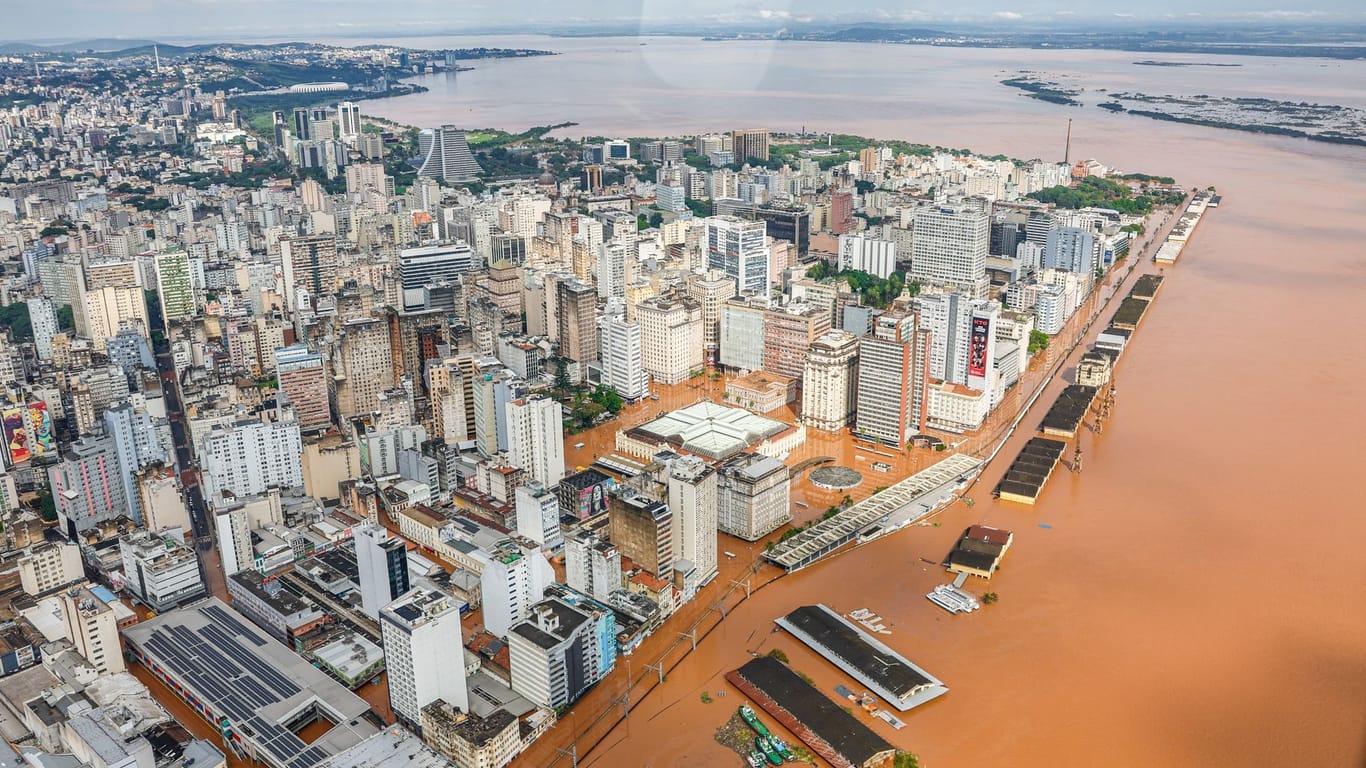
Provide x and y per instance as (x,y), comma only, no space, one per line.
(1197,599)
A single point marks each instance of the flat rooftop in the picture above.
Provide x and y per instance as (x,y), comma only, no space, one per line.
(709,429)
(392,746)
(891,675)
(238,672)
(822,718)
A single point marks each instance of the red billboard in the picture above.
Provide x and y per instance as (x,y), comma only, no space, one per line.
(978,345)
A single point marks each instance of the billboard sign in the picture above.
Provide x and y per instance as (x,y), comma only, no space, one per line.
(977,346)
(16,437)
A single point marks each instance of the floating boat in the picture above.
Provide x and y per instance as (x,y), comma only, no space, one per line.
(755,759)
(753,720)
(780,747)
(765,746)
(860,614)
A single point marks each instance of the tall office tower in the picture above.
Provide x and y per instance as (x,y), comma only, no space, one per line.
(616,268)
(867,254)
(621,357)
(788,333)
(842,211)
(174,286)
(421,268)
(661,152)
(303,379)
(742,334)
(382,561)
(232,530)
(250,457)
(692,485)
(751,496)
(592,566)
(790,223)
(557,654)
(450,385)
(512,578)
(522,214)
(303,124)
(737,248)
(371,146)
(751,143)
(93,628)
(139,443)
(493,388)
(1073,249)
(950,248)
(362,365)
(711,291)
(536,438)
(1038,226)
(85,485)
(671,334)
(576,311)
(363,176)
(642,528)
(890,399)
(446,155)
(962,330)
(538,515)
(310,263)
(348,118)
(42,315)
(104,312)
(422,654)
(1008,230)
(828,382)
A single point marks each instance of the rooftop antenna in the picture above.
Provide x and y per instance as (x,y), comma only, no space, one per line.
(156,53)
(1067,153)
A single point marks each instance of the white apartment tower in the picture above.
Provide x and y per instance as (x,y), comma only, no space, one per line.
(672,336)
(536,438)
(738,248)
(423,653)
(828,381)
(592,566)
(950,248)
(621,357)
(692,487)
(512,579)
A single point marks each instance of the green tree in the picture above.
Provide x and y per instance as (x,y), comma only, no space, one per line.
(864,187)
(905,760)
(777,653)
(561,374)
(1038,340)
(608,398)
(14,318)
(66,318)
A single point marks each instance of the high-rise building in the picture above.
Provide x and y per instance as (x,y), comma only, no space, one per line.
(792,224)
(828,381)
(303,123)
(382,562)
(621,357)
(301,377)
(538,516)
(421,268)
(560,651)
(692,488)
(93,628)
(42,315)
(308,263)
(1073,249)
(742,334)
(512,579)
(671,333)
(961,332)
(750,143)
(710,291)
(159,571)
(250,457)
(661,152)
(842,211)
(616,268)
(642,528)
(493,389)
(535,428)
(592,566)
(950,248)
(422,654)
(446,155)
(751,496)
(103,312)
(576,317)
(787,335)
(867,254)
(348,120)
(86,485)
(738,249)
(362,365)
(893,373)
(175,287)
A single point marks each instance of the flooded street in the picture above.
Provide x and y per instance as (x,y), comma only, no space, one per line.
(1191,603)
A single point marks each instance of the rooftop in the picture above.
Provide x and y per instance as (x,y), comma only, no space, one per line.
(392,746)
(709,429)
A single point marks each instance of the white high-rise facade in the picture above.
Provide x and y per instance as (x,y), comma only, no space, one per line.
(248,457)
(42,315)
(692,497)
(950,248)
(738,248)
(536,438)
(622,366)
(672,335)
(382,564)
(422,653)
(828,381)
(592,566)
(538,516)
(513,578)
(867,254)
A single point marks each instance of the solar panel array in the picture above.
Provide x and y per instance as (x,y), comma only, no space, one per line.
(220,663)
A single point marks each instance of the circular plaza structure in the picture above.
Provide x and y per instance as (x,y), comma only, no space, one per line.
(835,478)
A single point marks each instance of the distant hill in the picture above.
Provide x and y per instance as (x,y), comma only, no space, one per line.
(10,49)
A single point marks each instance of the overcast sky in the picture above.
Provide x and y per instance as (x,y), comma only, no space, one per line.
(224,19)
